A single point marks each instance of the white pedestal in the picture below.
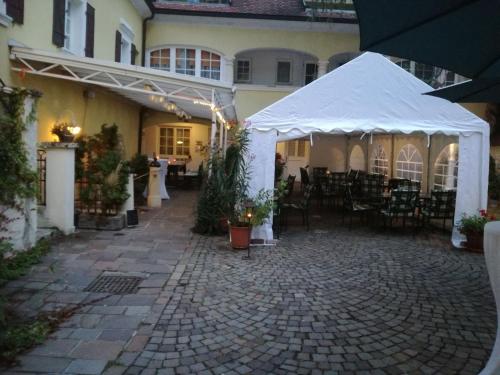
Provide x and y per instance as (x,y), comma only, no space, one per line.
(60,185)
(129,203)
(154,187)
(492,257)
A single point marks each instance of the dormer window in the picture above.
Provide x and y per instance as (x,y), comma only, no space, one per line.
(190,61)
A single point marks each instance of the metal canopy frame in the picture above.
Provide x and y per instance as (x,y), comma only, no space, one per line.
(162,91)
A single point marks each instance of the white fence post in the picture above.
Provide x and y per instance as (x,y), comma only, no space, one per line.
(60,185)
(154,187)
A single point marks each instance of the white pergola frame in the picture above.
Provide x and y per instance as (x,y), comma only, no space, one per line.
(152,88)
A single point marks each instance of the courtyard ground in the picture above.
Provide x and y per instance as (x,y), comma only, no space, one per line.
(325,301)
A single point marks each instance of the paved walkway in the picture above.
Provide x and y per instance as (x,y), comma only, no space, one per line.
(327,301)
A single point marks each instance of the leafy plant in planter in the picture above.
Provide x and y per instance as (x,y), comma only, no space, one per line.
(103,172)
(250,212)
(225,182)
(63,131)
(473,228)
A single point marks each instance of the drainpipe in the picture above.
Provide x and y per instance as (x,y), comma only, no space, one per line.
(144,31)
(142,113)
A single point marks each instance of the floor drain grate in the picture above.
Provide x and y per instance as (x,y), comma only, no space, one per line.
(115,284)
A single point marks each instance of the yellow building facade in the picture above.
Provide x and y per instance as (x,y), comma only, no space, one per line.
(262,54)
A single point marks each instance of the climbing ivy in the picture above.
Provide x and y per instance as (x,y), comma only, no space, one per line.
(18,179)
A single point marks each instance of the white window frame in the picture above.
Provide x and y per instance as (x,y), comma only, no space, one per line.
(290,77)
(442,170)
(75,26)
(211,71)
(305,71)
(293,147)
(5,20)
(128,37)
(408,168)
(166,68)
(441,80)
(173,59)
(175,145)
(236,79)
(380,163)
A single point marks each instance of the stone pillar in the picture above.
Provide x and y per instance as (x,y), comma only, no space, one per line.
(129,203)
(60,185)
(20,230)
(228,70)
(322,68)
(492,257)
(154,197)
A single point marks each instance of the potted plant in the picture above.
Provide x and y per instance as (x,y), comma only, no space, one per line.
(65,131)
(473,229)
(247,214)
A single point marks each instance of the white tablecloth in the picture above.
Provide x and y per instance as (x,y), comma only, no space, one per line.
(163,174)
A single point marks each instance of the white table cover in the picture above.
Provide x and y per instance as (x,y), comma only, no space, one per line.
(163,174)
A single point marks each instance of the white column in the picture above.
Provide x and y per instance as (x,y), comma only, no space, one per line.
(20,228)
(492,257)
(261,158)
(472,186)
(60,185)
(154,196)
(228,70)
(322,68)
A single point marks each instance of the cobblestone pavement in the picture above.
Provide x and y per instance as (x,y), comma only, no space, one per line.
(328,301)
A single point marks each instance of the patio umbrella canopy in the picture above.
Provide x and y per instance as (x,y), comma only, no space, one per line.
(473,91)
(459,35)
(371,95)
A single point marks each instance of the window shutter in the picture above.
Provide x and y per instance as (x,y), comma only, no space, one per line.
(118,46)
(15,9)
(89,36)
(133,54)
(58,22)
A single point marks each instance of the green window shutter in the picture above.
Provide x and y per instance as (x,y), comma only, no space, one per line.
(89,36)
(15,10)
(118,46)
(58,22)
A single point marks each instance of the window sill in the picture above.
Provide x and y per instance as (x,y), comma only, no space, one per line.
(5,20)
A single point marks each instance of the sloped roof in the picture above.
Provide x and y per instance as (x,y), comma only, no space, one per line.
(369,94)
(260,9)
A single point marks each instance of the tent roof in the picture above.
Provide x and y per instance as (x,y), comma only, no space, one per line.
(370,94)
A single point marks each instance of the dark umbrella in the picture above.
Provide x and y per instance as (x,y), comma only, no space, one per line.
(459,35)
(479,90)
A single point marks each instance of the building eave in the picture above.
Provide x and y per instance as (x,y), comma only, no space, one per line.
(144,7)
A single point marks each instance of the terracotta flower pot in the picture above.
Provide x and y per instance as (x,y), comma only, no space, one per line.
(475,242)
(239,237)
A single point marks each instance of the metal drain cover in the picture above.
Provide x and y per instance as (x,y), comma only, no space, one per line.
(115,284)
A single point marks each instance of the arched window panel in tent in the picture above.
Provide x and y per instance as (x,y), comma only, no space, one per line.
(380,163)
(357,158)
(409,163)
(446,168)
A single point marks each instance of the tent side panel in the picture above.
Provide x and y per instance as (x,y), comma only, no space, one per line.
(472,186)
(262,152)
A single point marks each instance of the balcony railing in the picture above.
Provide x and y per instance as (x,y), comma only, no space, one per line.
(329,5)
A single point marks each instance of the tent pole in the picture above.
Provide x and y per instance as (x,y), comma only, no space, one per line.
(429,163)
(392,156)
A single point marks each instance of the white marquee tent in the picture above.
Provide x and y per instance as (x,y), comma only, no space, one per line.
(371,95)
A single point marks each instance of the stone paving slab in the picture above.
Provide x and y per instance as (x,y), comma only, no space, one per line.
(91,340)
